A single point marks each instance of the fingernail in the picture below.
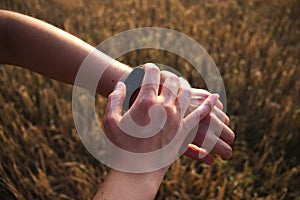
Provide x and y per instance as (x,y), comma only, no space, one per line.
(201,154)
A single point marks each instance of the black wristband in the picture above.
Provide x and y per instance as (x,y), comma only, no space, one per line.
(132,82)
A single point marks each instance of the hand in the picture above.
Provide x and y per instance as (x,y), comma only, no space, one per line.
(166,120)
(173,101)
(214,127)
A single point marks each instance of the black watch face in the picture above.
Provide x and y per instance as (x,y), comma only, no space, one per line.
(133,83)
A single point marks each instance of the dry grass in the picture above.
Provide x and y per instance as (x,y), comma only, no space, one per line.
(256,46)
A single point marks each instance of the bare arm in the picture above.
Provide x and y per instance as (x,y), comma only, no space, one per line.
(45,49)
(123,185)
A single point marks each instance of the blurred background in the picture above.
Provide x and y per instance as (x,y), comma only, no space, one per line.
(256,46)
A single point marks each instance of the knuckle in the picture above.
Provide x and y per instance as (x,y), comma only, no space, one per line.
(147,102)
(170,109)
(151,67)
(171,75)
(185,99)
(173,79)
(187,93)
(166,73)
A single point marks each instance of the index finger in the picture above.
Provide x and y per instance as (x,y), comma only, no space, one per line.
(199,113)
(150,84)
(200,94)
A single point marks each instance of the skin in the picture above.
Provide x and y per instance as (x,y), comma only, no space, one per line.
(47,50)
(123,186)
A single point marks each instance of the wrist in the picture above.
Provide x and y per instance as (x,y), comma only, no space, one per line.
(124,185)
(111,76)
(149,181)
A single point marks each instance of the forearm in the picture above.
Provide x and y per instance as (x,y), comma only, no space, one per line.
(45,49)
(122,185)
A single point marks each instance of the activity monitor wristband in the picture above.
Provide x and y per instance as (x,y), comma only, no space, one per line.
(132,82)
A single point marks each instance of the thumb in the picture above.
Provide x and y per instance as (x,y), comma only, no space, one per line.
(115,99)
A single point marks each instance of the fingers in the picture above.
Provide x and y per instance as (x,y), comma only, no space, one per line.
(222,148)
(170,89)
(184,83)
(212,125)
(199,154)
(199,113)
(210,141)
(218,128)
(199,95)
(184,97)
(183,102)
(115,100)
(151,80)
(221,115)
(227,134)
(219,105)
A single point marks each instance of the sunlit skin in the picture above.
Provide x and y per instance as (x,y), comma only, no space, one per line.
(47,50)
(148,97)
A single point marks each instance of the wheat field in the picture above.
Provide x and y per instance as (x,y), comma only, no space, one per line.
(256,46)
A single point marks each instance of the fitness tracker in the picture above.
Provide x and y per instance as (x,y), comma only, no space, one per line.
(132,82)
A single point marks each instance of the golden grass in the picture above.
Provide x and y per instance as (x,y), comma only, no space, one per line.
(256,46)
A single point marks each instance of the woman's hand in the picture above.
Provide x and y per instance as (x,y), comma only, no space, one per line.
(153,121)
(155,118)
(213,132)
